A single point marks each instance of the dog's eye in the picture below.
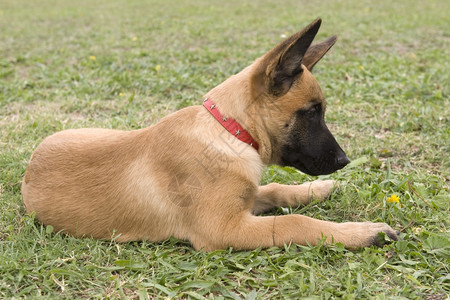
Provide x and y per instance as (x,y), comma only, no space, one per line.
(312,112)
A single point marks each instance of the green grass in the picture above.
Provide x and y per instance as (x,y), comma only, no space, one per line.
(386,83)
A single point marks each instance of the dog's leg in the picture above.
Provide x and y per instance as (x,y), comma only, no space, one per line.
(278,195)
(245,232)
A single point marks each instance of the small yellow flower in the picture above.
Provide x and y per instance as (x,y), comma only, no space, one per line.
(361,67)
(134,39)
(157,68)
(121,94)
(92,57)
(417,230)
(394,199)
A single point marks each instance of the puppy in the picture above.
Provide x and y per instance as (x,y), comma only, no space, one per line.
(195,174)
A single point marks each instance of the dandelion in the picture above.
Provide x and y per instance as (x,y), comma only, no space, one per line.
(92,57)
(394,199)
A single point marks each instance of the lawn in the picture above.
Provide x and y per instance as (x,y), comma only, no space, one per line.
(125,64)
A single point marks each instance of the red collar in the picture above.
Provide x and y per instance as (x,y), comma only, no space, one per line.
(230,124)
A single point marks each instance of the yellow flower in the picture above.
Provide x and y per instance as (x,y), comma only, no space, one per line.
(134,39)
(157,68)
(92,57)
(394,199)
(417,230)
(121,94)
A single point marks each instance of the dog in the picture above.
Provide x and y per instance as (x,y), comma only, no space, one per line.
(195,174)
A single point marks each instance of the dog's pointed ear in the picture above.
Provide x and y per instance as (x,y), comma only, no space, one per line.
(316,51)
(283,63)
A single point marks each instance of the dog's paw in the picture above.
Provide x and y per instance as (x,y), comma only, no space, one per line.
(381,234)
(365,234)
(321,189)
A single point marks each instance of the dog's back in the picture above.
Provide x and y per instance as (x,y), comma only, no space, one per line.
(93,181)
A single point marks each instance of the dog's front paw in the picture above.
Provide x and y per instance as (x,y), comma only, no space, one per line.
(365,234)
(377,239)
(321,189)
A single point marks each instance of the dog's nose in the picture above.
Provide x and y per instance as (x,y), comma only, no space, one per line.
(342,160)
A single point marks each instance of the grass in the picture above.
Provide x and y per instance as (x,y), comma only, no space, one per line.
(125,64)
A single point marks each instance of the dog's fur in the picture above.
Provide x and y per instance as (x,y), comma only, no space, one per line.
(189,178)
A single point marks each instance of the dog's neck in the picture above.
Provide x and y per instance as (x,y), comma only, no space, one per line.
(231,97)
(231,125)
(234,99)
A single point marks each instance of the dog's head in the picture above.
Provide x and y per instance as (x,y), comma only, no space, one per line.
(291,107)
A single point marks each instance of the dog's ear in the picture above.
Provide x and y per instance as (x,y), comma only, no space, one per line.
(284,63)
(317,51)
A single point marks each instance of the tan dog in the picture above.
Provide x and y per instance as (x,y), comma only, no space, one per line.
(192,177)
